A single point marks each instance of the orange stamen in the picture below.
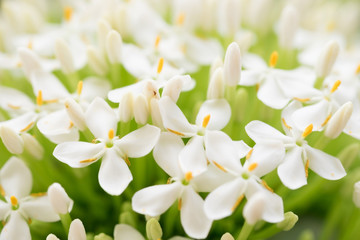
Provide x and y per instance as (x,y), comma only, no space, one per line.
(307,131)
(273,58)
(252,167)
(206,121)
(335,86)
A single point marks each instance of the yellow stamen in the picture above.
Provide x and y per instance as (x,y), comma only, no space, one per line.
(206,121)
(326,120)
(13,201)
(88,160)
(127,161)
(71,125)
(266,186)
(335,86)
(160,65)
(357,69)
(285,124)
(248,155)
(40,194)
(79,87)
(302,99)
(19,64)
(331,26)
(68,12)
(13,106)
(252,167)
(188,176)
(175,132)
(307,168)
(27,127)
(111,133)
(29,221)
(51,101)
(219,166)
(30,44)
(273,58)
(307,131)
(257,87)
(39,99)
(157,41)
(238,201)
(180,19)
(168,181)
(2,191)
(179,204)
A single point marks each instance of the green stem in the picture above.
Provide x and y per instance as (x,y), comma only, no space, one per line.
(266,233)
(66,221)
(245,231)
(322,142)
(332,220)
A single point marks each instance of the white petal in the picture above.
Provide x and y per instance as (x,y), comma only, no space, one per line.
(39,208)
(16,228)
(166,153)
(174,119)
(292,171)
(114,174)
(94,87)
(16,178)
(77,230)
(5,210)
(220,203)
(10,98)
(202,51)
(324,165)
(260,131)
(271,94)
(249,77)
(139,142)
(116,95)
(124,231)
(286,114)
(21,123)
(219,111)
(135,61)
(193,218)
(155,200)
(192,157)
(72,153)
(12,140)
(100,118)
(254,208)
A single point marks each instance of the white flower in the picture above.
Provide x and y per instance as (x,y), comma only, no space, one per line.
(21,206)
(59,199)
(114,174)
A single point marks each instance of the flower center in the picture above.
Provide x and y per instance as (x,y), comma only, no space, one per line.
(14,203)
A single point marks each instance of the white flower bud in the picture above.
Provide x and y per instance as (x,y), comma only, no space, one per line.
(356,194)
(150,90)
(218,62)
(338,121)
(155,113)
(216,85)
(232,65)
(141,109)
(227,236)
(96,61)
(63,54)
(173,88)
(327,59)
(29,61)
(77,230)
(75,113)
(126,107)
(288,25)
(32,146)
(113,46)
(254,208)
(59,199)
(228,17)
(120,20)
(290,219)
(52,237)
(11,139)
(103,28)
(153,229)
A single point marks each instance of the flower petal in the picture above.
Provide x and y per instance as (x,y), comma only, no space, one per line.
(124,231)
(77,230)
(155,200)
(271,94)
(114,174)
(12,140)
(16,178)
(219,111)
(16,228)
(39,208)
(5,210)
(94,87)
(139,142)
(260,131)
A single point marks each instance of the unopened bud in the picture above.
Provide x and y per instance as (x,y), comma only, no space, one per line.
(232,65)
(153,229)
(150,90)
(338,121)
(141,111)
(228,20)
(103,28)
(77,230)
(327,59)
(349,154)
(96,61)
(218,62)
(75,113)
(59,199)
(227,236)
(102,236)
(52,237)
(155,113)
(173,88)
(356,194)
(127,218)
(32,146)
(307,235)
(11,139)
(216,85)
(287,27)
(113,46)
(254,208)
(63,54)
(30,62)
(289,222)
(126,107)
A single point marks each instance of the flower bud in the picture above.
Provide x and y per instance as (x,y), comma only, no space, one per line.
(150,90)
(216,85)
(307,235)
(59,199)
(52,237)
(228,20)
(338,121)
(254,208)
(126,107)
(32,146)
(96,61)
(327,59)
(11,139)
(218,62)
(77,230)
(127,218)
(141,111)
(63,54)
(288,25)
(30,62)
(155,113)
(356,194)
(173,88)
(75,113)
(227,236)
(113,46)
(289,222)
(103,28)
(232,65)
(153,229)
(102,236)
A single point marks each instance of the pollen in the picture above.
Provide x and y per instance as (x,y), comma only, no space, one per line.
(206,121)
(27,127)
(252,167)
(175,132)
(357,71)
(13,201)
(219,166)
(39,99)
(160,65)
(188,176)
(335,86)
(157,41)
(111,133)
(307,131)
(68,12)
(79,88)
(88,160)
(248,155)
(180,19)
(238,201)
(307,168)
(273,59)
(326,120)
